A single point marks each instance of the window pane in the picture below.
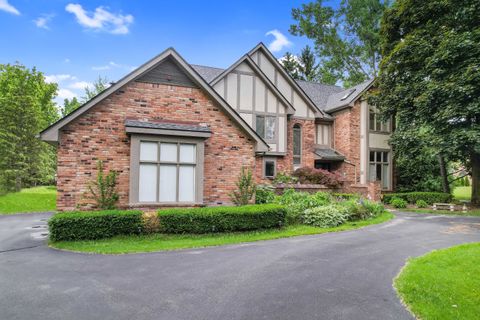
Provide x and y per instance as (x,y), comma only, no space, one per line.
(385,176)
(385,156)
(168,183)
(186,184)
(379,172)
(260,126)
(372,121)
(147,189)
(372,156)
(168,152)
(297,141)
(148,151)
(296,160)
(187,153)
(270,128)
(379,157)
(371,173)
(269,168)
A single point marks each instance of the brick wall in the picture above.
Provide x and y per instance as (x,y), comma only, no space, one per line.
(100,134)
(347,141)
(285,163)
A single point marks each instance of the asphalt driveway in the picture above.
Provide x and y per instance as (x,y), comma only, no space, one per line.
(345,275)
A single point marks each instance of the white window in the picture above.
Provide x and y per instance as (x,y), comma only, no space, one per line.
(167,172)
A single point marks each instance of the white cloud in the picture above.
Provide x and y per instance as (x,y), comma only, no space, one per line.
(42,21)
(101,19)
(65,94)
(80,85)
(59,78)
(279,43)
(5,6)
(113,65)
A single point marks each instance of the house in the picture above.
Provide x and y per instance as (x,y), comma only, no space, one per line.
(179,134)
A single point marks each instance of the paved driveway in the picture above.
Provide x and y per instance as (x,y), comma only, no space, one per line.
(344,275)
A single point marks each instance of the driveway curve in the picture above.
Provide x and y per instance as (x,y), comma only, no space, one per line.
(345,275)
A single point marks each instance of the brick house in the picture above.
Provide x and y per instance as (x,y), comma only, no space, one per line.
(179,134)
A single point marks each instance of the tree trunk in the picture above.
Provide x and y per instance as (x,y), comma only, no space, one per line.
(444,174)
(475,162)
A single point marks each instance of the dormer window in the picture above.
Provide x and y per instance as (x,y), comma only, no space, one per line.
(348,94)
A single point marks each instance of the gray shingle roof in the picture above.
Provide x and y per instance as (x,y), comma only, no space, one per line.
(166,125)
(318,92)
(328,154)
(207,73)
(345,97)
(326,97)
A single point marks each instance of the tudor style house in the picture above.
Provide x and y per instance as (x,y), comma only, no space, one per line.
(179,134)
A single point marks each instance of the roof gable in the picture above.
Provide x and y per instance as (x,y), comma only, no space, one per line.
(150,70)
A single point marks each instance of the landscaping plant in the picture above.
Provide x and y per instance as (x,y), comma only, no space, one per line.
(264,194)
(103,190)
(421,204)
(412,197)
(398,203)
(307,175)
(326,216)
(245,188)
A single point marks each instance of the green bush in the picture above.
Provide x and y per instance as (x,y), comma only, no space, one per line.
(345,196)
(374,208)
(77,225)
(359,209)
(297,202)
(412,197)
(221,219)
(421,204)
(326,216)
(264,194)
(398,203)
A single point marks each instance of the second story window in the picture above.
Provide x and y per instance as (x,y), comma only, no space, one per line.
(376,124)
(266,127)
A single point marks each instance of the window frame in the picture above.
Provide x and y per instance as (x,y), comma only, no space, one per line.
(264,167)
(385,126)
(298,127)
(275,122)
(135,169)
(382,163)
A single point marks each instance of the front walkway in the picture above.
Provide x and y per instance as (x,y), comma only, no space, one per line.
(345,275)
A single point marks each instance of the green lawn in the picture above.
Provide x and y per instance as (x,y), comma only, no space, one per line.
(475,212)
(161,242)
(29,200)
(444,284)
(462,193)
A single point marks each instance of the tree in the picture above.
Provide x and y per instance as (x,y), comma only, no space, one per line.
(70,105)
(430,76)
(26,108)
(307,65)
(246,188)
(291,65)
(346,39)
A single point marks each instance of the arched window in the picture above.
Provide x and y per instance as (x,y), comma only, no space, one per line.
(297,146)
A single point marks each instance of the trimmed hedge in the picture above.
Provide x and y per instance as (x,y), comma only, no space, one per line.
(221,219)
(413,197)
(77,225)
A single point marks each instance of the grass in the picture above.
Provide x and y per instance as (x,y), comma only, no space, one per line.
(162,242)
(444,284)
(29,200)
(462,193)
(475,212)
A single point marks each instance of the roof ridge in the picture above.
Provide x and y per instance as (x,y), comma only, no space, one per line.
(202,65)
(323,84)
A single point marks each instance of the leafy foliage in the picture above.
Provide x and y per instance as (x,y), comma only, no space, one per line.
(104,189)
(221,219)
(245,188)
(303,67)
(429,76)
(297,202)
(283,177)
(398,203)
(93,225)
(347,40)
(360,209)
(70,105)
(325,217)
(421,204)
(26,108)
(291,65)
(413,197)
(318,176)
(264,194)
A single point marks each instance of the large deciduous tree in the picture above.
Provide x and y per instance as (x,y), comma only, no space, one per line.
(430,75)
(26,107)
(346,38)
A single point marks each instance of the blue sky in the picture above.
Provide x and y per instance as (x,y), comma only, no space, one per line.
(74,42)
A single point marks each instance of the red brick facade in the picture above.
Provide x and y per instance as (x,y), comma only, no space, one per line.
(100,134)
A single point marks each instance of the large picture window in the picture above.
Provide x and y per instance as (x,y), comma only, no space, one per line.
(297,146)
(166,170)
(376,124)
(266,127)
(379,169)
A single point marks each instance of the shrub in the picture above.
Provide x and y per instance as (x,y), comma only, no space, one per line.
(421,204)
(93,225)
(326,216)
(221,219)
(412,197)
(398,203)
(246,188)
(374,208)
(345,196)
(103,190)
(318,176)
(355,209)
(264,194)
(283,177)
(297,202)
